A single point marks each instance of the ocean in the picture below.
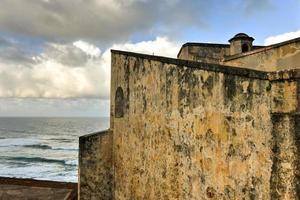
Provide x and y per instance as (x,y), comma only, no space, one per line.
(44,148)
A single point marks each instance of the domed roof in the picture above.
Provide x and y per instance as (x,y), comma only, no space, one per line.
(241,36)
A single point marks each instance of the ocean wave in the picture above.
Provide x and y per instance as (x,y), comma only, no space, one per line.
(62,139)
(72,162)
(64,149)
(45,146)
(38,146)
(33,144)
(6,142)
(42,160)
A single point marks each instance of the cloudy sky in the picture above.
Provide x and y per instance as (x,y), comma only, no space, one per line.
(55,54)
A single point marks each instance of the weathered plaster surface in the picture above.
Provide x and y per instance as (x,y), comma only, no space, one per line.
(204,53)
(95,166)
(281,57)
(285,168)
(285,178)
(192,130)
(198,134)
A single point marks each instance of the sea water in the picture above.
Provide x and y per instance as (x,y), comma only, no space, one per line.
(44,148)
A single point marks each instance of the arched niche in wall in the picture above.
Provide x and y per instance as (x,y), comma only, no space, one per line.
(119,103)
(245,48)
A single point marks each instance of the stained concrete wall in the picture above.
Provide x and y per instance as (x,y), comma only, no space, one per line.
(198,131)
(95,166)
(280,56)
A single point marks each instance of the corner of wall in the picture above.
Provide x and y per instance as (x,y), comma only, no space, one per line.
(95,166)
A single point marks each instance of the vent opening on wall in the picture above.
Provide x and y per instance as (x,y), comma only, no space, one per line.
(245,48)
(119,103)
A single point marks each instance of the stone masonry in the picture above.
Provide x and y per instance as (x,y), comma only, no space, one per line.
(195,128)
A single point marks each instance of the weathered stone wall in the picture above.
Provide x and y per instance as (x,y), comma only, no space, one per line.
(285,178)
(199,131)
(210,53)
(206,52)
(281,56)
(190,130)
(95,166)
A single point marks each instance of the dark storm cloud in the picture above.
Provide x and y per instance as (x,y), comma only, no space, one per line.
(105,20)
(67,55)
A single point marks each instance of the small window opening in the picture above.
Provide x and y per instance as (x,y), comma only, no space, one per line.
(245,48)
(119,103)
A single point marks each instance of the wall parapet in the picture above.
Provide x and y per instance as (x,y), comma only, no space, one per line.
(263,49)
(96,134)
(200,65)
(95,165)
(291,74)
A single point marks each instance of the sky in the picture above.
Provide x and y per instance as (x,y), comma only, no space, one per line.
(55,54)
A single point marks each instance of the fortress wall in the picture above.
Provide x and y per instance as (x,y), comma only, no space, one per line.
(204,53)
(95,166)
(197,132)
(285,178)
(187,130)
(276,57)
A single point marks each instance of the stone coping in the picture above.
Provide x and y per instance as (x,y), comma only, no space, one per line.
(96,134)
(203,44)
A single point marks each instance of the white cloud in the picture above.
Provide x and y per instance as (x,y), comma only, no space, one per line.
(282,37)
(161,46)
(74,70)
(89,49)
